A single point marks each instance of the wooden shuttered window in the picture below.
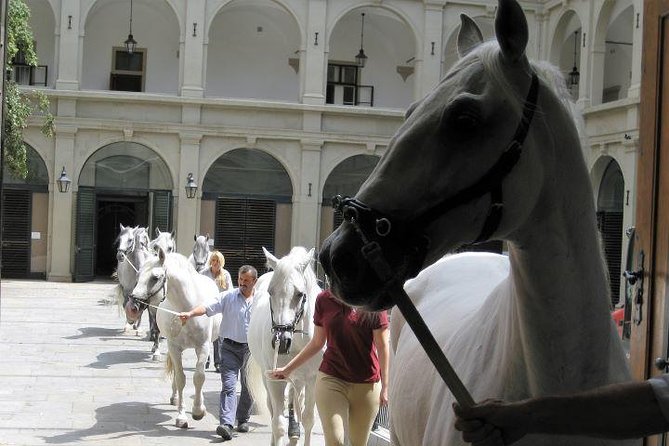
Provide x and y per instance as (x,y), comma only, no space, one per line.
(16,224)
(161,213)
(610,226)
(84,264)
(243,227)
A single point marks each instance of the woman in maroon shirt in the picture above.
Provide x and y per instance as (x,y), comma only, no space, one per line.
(352,378)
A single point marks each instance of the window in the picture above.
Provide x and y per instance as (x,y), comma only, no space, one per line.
(127,70)
(343,86)
(25,74)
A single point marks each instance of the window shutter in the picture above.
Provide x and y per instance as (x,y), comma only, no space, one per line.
(161,211)
(610,225)
(16,224)
(84,264)
(243,227)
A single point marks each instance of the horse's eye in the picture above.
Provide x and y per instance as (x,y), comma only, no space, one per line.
(466,123)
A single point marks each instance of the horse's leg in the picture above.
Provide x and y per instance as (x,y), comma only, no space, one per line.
(308,406)
(199,411)
(178,383)
(155,334)
(276,394)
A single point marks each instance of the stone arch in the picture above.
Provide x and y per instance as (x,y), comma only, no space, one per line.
(392,47)
(610,211)
(267,29)
(566,46)
(345,178)
(109,22)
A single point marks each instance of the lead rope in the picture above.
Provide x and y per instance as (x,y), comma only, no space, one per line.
(373,254)
(127,259)
(297,409)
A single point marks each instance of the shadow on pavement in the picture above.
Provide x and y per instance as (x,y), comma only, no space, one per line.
(107,359)
(126,420)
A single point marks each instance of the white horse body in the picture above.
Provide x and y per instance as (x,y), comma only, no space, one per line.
(535,324)
(292,275)
(185,289)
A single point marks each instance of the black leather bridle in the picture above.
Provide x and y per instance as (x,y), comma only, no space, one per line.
(372,224)
(277,329)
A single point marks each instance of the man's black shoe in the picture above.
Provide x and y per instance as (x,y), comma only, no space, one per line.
(243,427)
(225,431)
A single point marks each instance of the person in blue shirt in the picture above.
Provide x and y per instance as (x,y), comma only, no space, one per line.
(235,307)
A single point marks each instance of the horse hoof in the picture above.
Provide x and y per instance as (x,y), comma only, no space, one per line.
(199,416)
(183,424)
(174,401)
(156,356)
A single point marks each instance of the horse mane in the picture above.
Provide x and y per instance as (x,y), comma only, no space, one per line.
(297,255)
(174,259)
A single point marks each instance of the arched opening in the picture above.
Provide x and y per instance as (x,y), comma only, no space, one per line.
(247,204)
(566,50)
(610,202)
(386,79)
(25,212)
(345,180)
(122,183)
(253,52)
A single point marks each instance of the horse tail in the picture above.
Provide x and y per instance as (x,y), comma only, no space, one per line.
(256,385)
(169,368)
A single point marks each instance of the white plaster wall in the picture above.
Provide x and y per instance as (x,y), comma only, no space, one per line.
(43,24)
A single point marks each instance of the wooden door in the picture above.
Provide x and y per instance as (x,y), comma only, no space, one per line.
(650,305)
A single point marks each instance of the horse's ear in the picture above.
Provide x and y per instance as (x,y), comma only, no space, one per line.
(121,225)
(207,238)
(157,231)
(469,36)
(511,30)
(271,260)
(195,237)
(172,233)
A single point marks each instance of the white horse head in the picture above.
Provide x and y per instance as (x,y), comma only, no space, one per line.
(288,289)
(125,241)
(165,240)
(492,153)
(201,252)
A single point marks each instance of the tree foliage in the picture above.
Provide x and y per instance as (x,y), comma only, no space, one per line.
(19,103)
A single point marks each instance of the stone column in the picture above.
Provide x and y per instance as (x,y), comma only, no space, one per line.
(192,57)
(188,209)
(313,60)
(428,62)
(69,38)
(61,244)
(306,212)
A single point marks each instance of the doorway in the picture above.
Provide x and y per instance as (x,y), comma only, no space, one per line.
(112,211)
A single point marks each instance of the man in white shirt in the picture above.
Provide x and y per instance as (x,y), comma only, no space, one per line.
(235,306)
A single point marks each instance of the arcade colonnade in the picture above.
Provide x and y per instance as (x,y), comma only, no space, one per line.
(264,104)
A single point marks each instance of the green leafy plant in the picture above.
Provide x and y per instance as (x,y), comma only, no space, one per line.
(19,103)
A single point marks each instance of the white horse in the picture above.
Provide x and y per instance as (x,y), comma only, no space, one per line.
(165,240)
(492,153)
(281,325)
(131,253)
(201,252)
(184,288)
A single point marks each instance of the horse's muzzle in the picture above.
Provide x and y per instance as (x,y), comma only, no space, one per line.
(285,339)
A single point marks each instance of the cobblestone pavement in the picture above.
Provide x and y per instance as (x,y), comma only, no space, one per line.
(70,375)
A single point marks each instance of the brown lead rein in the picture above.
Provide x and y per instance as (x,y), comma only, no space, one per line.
(373,254)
